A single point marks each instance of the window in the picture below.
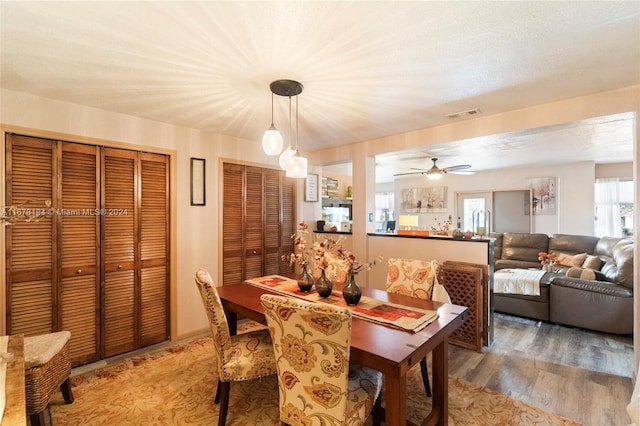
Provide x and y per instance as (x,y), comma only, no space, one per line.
(613,207)
(384,210)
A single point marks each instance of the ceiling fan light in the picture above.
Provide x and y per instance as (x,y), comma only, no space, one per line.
(272,141)
(285,157)
(434,175)
(297,167)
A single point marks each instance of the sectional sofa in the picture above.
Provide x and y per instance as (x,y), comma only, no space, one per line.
(604,302)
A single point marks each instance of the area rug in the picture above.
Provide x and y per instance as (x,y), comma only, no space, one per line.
(178,386)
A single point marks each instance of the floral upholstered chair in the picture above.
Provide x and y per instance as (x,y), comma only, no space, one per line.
(241,357)
(317,384)
(336,270)
(417,278)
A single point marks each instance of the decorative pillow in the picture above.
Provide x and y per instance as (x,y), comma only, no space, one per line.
(583,274)
(592,262)
(570,259)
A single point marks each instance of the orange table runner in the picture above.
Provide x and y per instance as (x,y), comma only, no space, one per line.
(405,317)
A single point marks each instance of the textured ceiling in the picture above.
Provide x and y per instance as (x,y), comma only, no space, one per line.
(370,69)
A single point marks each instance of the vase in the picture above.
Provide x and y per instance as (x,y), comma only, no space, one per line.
(352,292)
(305,280)
(548,267)
(324,286)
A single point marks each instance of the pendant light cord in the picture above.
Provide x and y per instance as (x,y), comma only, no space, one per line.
(297,152)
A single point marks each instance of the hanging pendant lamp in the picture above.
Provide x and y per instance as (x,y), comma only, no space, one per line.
(297,164)
(272,139)
(290,160)
(289,152)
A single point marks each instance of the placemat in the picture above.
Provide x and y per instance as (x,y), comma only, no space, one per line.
(400,316)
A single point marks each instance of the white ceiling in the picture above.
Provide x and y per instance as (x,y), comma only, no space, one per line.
(369,69)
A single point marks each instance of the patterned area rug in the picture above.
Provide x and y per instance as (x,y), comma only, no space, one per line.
(178,386)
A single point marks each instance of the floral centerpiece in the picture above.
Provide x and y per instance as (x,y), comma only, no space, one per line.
(301,257)
(351,291)
(547,260)
(441,228)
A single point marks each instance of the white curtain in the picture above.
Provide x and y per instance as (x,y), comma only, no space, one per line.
(608,218)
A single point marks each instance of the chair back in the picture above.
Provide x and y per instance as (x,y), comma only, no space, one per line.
(311,343)
(337,269)
(217,319)
(416,278)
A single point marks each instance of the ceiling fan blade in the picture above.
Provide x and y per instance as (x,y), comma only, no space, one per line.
(416,168)
(461,172)
(412,173)
(456,168)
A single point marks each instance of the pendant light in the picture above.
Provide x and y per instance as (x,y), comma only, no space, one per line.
(297,165)
(289,152)
(272,139)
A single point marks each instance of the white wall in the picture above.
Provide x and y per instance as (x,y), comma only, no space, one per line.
(575,194)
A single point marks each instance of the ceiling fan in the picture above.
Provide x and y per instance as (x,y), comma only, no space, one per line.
(436,172)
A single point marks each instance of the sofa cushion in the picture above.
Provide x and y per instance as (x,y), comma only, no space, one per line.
(570,260)
(572,244)
(520,246)
(618,266)
(592,262)
(582,273)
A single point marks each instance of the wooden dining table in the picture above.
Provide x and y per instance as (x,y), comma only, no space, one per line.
(390,350)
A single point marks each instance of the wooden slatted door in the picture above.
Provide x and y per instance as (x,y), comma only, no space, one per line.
(258,221)
(232,228)
(119,229)
(79,247)
(154,248)
(31,248)
(253,222)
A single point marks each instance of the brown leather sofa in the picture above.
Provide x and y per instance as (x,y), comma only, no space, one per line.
(604,304)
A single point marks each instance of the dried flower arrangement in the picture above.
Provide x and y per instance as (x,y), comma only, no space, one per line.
(442,228)
(547,258)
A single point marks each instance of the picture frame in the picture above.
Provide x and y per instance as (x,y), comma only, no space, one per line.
(198,173)
(311,187)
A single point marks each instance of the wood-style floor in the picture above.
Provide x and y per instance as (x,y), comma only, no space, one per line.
(582,375)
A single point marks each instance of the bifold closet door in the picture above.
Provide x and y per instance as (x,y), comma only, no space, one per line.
(120,292)
(154,248)
(78,218)
(31,249)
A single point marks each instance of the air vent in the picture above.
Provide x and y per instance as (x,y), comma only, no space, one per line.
(463,113)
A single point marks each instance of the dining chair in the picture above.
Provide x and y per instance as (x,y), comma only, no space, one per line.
(417,278)
(239,357)
(316,382)
(337,270)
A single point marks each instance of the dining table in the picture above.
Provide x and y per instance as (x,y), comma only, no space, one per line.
(391,350)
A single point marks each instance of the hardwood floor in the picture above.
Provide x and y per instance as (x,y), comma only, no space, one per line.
(579,374)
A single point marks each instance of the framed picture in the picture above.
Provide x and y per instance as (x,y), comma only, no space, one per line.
(197,182)
(424,200)
(311,187)
(544,195)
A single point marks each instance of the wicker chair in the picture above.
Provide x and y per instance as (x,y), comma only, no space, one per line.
(317,384)
(416,278)
(241,357)
(47,368)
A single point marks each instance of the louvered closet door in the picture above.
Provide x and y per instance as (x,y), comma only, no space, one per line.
(154,249)
(119,230)
(232,229)
(254,222)
(288,224)
(79,248)
(272,212)
(30,247)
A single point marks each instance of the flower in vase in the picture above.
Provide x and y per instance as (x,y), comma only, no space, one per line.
(301,256)
(546,258)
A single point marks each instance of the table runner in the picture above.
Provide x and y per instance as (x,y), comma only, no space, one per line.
(404,317)
(517,281)
(4,342)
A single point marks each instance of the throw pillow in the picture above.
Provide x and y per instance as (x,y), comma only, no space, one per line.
(583,274)
(570,259)
(592,262)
